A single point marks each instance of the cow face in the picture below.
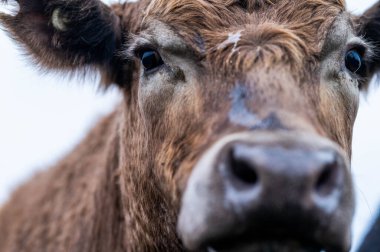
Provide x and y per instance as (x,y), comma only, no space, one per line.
(250,116)
(235,131)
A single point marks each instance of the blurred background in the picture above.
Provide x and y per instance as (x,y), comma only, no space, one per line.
(42,116)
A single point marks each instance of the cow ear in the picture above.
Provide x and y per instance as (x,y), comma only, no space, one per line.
(368,27)
(67,34)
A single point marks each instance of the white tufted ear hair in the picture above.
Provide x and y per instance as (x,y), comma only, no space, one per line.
(58,20)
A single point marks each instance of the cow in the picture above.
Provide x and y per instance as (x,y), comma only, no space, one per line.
(234,132)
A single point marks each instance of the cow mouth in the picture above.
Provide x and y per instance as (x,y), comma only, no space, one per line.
(265,246)
(275,242)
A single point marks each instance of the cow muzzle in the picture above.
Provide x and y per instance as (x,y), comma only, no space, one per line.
(268,192)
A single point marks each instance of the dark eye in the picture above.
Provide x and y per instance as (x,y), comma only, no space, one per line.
(151,60)
(354,62)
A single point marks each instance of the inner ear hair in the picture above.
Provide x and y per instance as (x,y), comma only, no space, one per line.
(59,21)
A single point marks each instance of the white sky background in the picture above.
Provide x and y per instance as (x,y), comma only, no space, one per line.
(43,116)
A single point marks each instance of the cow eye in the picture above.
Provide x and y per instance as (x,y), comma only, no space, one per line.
(354,61)
(151,60)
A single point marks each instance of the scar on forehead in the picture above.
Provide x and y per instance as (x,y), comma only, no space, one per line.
(233,38)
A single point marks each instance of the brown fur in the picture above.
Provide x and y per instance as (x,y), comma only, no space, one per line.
(283,33)
(120,189)
(80,189)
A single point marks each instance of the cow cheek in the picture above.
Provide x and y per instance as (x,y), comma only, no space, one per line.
(183,136)
(154,97)
(338,109)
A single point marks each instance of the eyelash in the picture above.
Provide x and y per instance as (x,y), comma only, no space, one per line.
(138,49)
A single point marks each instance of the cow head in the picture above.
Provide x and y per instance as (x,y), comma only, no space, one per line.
(236,125)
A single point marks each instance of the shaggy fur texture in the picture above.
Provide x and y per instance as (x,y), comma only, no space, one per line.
(120,189)
(283,32)
(81,189)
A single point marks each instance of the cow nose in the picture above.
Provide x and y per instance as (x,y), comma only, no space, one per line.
(265,175)
(254,188)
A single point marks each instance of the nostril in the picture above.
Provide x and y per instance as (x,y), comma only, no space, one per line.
(243,169)
(327,180)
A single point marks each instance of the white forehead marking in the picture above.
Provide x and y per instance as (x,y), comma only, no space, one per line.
(233,38)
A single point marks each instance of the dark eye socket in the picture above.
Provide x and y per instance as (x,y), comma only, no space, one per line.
(151,60)
(354,61)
